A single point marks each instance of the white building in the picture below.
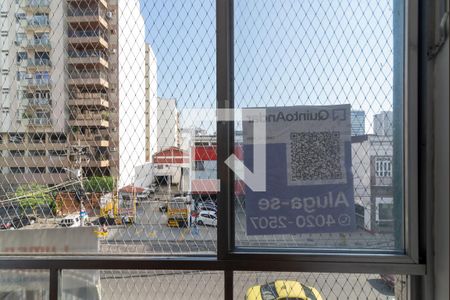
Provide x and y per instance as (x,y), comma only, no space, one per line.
(132,92)
(372,179)
(167,124)
(151,86)
(382,123)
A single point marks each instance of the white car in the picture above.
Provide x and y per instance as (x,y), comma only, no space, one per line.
(207,217)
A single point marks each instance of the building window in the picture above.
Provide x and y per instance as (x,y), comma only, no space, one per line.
(17,170)
(17,153)
(383,167)
(21,56)
(38,138)
(199,165)
(57,152)
(385,212)
(16,138)
(37,170)
(37,152)
(56,170)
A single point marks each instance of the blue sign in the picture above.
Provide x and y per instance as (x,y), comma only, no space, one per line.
(309,181)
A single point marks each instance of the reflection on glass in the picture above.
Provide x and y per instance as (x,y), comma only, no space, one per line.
(24,284)
(328,98)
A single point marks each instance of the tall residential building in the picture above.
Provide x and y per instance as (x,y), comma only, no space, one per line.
(358,119)
(151,102)
(382,123)
(62,63)
(167,124)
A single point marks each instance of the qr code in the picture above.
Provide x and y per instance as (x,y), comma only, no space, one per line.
(316,158)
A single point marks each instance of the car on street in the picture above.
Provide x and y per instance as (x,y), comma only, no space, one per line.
(72,220)
(282,290)
(207,217)
(388,279)
(18,222)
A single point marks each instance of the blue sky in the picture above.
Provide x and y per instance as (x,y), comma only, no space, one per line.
(286,52)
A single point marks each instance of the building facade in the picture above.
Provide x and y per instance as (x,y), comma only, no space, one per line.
(372,180)
(358,120)
(168,132)
(61,101)
(383,123)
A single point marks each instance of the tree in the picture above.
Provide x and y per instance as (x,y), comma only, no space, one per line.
(99,184)
(33,195)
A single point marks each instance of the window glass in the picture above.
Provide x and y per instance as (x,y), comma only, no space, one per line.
(319,126)
(335,286)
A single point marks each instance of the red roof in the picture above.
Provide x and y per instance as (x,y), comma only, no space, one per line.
(210,152)
(131,189)
(172,155)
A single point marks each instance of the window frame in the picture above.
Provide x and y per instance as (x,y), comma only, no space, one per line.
(228,258)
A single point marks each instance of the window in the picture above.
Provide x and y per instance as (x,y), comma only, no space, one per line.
(16,138)
(20,16)
(199,166)
(37,170)
(17,170)
(21,56)
(383,167)
(37,152)
(17,153)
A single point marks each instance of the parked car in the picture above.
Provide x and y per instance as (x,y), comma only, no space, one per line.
(18,222)
(206,217)
(71,221)
(206,206)
(282,290)
(388,279)
(6,224)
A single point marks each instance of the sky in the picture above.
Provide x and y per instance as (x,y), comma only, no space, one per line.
(286,53)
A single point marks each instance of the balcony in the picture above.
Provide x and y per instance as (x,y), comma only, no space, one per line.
(39,122)
(35,161)
(96,163)
(38,102)
(36,83)
(39,64)
(89,16)
(38,24)
(40,44)
(34,6)
(382,181)
(98,100)
(94,140)
(88,37)
(77,2)
(90,120)
(88,78)
(88,57)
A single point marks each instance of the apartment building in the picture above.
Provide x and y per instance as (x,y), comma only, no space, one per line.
(372,179)
(62,106)
(168,129)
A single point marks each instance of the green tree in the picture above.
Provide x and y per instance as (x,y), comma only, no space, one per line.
(33,195)
(99,184)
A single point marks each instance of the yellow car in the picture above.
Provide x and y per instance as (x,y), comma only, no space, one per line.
(282,289)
